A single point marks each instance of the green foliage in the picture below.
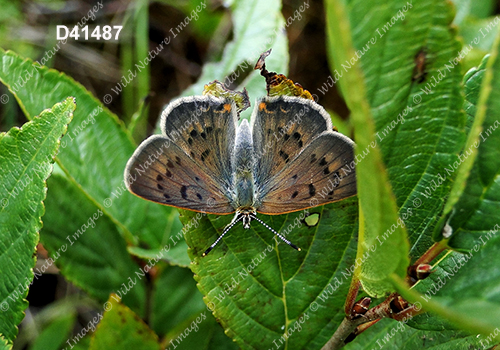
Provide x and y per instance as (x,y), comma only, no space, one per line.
(121,328)
(400,69)
(26,157)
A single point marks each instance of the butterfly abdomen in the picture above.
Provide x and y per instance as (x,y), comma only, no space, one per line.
(244,162)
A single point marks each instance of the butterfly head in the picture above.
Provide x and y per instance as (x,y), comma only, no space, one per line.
(246,215)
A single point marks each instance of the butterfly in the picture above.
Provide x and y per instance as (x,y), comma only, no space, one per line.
(288,158)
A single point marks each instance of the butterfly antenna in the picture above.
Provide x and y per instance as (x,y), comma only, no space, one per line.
(276,233)
(230,226)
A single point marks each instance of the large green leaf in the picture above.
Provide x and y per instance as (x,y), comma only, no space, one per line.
(189,327)
(94,153)
(382,232)
(26,157)
(87,246)
(464,291)
(258,25)
(420,127)
(476,216)
(261,289)
(121,328)
(394,335)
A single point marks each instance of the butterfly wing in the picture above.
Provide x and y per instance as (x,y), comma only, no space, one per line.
(316,172)
(282,127)
(188,167)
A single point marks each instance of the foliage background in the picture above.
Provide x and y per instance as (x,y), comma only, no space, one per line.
(57,306)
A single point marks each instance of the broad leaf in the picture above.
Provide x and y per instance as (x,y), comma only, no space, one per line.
(464,292)
(26,157)
(55,334)
(477,213)
(189,327)
(261,289)
(416,107)
(394,335)
(382,233)
(121,328)
(87,246)
(94,153)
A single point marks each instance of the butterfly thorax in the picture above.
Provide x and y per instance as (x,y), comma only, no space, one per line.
(243,161)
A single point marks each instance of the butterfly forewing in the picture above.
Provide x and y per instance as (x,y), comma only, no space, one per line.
(176,169)
(322,173)
(282,127)
(205,129)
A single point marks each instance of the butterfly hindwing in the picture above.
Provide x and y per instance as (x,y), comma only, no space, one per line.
(282,127)
(322,173)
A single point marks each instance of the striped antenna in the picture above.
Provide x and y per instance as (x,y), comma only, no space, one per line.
(276,233)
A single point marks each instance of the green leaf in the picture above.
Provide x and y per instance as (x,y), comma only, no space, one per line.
(94,152)
(393,335)
(477,211)
(257,26)
(4,344)
(261,289)
(192,326)
(26,157)
(87,246)
(55,334)
(463,290)
(382,232)
(175,287)
(121,328)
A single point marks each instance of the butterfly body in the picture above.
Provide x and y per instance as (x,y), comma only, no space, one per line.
(287,159)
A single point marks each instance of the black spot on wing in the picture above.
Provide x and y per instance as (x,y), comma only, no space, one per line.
(313,158)
(159,177)
(312,190)
(168,173)
(184,192)
(170,164)
(205,154)
(284,155)
(193,133)
(160,187)
(295,194)
(177,160)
